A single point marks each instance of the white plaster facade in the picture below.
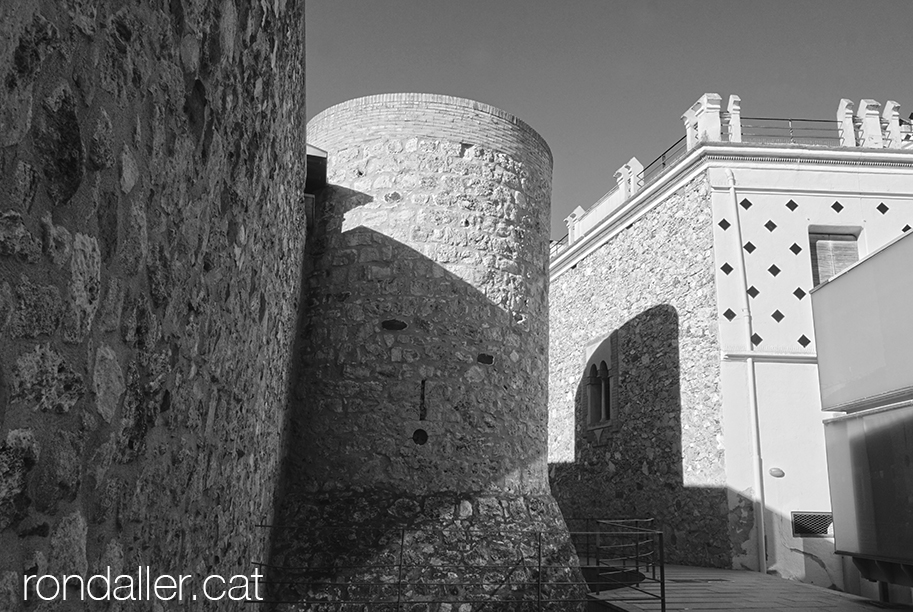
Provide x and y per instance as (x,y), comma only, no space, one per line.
(765,200)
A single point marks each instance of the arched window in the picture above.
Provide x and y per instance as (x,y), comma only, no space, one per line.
(594,395)
(604,382)
(601,381)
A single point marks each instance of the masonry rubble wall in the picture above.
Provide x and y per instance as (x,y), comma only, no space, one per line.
(428,299)
(423,384)
(151,173)
(661,456)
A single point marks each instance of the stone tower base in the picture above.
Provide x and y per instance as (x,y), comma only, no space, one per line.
(435,553)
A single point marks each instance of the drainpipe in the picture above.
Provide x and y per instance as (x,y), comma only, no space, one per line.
(759,500)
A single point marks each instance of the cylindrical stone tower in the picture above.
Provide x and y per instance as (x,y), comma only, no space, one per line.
(422,396)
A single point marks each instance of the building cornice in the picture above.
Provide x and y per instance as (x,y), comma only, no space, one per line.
(710,155)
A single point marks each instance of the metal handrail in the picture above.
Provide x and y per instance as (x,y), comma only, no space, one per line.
(556,246)
(634,570)
(665,159)
(788,119)
(811,132)
(826,132)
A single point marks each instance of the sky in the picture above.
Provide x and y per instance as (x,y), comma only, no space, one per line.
(606,80)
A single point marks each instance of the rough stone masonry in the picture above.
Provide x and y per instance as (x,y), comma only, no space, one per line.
(151,231)
(662,456)
(420,427)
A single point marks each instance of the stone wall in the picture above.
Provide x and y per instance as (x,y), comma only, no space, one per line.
(422,397)
(428,300)
(661,456)
(151,234)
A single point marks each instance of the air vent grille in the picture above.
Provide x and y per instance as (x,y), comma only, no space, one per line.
(812,524)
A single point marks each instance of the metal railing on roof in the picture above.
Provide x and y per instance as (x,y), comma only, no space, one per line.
(666,159)
(754,130)
(771,130)
(556,246)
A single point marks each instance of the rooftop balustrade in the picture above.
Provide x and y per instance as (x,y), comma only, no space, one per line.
(705,122)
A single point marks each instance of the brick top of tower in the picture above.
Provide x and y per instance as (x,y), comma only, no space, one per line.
(427,115)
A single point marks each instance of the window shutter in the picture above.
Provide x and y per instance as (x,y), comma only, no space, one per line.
(831,254)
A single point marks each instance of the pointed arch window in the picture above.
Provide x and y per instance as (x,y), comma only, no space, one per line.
(601,382)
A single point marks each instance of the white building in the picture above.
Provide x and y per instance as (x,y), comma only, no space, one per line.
(728,231)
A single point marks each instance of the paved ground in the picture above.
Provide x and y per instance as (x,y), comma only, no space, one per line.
(712,590)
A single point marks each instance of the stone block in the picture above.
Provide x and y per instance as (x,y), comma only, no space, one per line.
(108,382)
(68,546)
(16,240)
(43,381)
(58,242)
(101,148)
(39,310)
(18,455)
(84,290)
(59,144)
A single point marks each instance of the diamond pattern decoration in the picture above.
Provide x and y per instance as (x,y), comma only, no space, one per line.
(837,206)
(750,247)
(777,316)
(882,208)
(726,268)
(746,204)
(906,228)
(724,224)
(729,314)
(756,339)
(774,270)
(771,226)
(792,205)
(804,341)
(753,291)
(799,293)
(795,248)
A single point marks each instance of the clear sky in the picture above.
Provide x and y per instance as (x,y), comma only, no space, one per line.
(605,80)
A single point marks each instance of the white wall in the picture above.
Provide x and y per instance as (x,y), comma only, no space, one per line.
(789,408)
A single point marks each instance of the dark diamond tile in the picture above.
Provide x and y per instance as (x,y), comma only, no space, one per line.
(756,339)
(792,205)
(724,224)
(774,270)
(729,314)
(726,268)
(804,341)
(882,208)
(777,316)
(753,291)
(799,293)
(771,226)
(795,248)
(750,247)
(746,204)
(906,228)
(837,206)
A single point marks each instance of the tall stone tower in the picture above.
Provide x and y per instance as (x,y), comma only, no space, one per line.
(421,411)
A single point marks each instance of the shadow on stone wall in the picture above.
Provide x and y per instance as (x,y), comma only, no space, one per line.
(417,429)
(150,247)
(635,468)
